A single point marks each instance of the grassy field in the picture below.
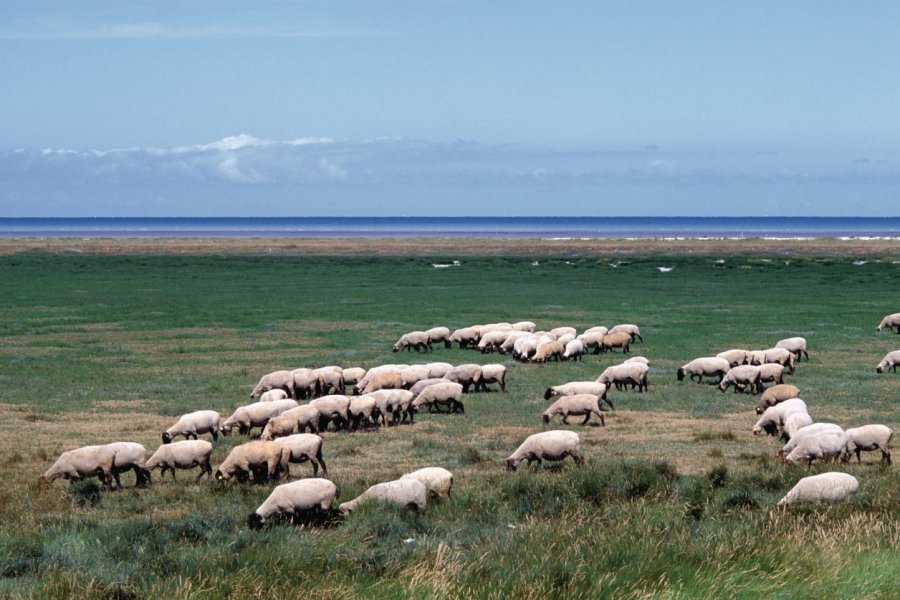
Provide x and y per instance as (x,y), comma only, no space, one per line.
(675,499)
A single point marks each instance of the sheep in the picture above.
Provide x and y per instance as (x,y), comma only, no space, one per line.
(245,418)
(890,322)
(414,339)
(438,369)
(615,339)
(276,380)
(574,388)
(304,447)
(130,456)
(395,403)
(640,359)
(437,480)
(889,362)
(412,374)
(251,457)
(364,411)
(825,445)
(574,350)
(374,372)
(441,394)
(192,424)
(793,422)
(578,405)
(273,395)
(353,375)
(185,454)
(525,347)
(389,380)
(467,375)
(775,394)
(333,408)
(87,461)
(438,335)
(548,350)
(781,356)
(307,383)
(295,420)
(484,329)
(735,357)
(421,385)
(511,337)
(741,377)
(493,373)
(795,345)
(773,417)
(331,379)
(597,329)
(524,326)
(771,373)
(548,445)
(294,499)
(491,341)
(632,330)
(870,437)
(565,330)
(466,337)
(565,339)
(634,373)
(592,340)
(830,486)
(408,493)
(801,433)
(710,366)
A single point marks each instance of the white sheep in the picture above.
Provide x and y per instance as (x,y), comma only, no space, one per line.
(771,373)
(574,350)
(524,326)
(573,388)
(295,420)
(793,422)
(565,338)
(868,438)
(374,371)
(639,359)
(438,335)
(525,347)
(437,370)
(419,340)
(276,380)
(796,345)
(742,377)
(825,445)
(294,499)
(245,418)
(615,339)
(386,380)
(889,362)
(781,356)
(801,433)
(408,493)
(548,445)
(492,341)
(331,379)
(634,373)
(825,486)
(735,356)
(185,454)
(412,374)
(395,403)
(890,322)
(512,336)
(466,337)
(192,424)
(334,408)
(773,417)
(437,480)
(467,375)
(709,366)
(252,457)
(421,385)
(575,406)
(592,340)
(352,375)
(307,383)
(547,350)
(87,461)
(596,329)
(304,447)
(364,411)
(441,395)
(493,373)
(629,328)
(273,395)
(130,456)
(776,394)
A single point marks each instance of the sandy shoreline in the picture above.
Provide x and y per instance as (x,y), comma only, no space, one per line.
(450,246)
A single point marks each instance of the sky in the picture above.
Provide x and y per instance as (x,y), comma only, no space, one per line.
(449,107)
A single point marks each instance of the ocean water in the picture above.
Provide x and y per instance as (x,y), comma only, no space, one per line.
(496,227)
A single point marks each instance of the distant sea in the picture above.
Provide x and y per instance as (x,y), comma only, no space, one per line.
(486,227)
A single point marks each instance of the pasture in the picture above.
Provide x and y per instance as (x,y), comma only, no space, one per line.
(675,499)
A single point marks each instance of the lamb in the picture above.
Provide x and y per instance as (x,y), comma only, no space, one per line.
(574,350)
(333,408)
(870,437)
(307,383)
(295,420)
(825,445)
(735,357)
(795,345)
(245,418)
(276,380)
(548,445)
(441,394)
(185,454)
(632,330)
(192,424)
(304,447)
(889,362)
(130,456)
(466,337)
(387,380)
(634,373)
(771,373)
(294,499)
(776,394)
(87,461)
(493,373)
(331,379)
(574,388)
(890,322)
(394,403)
(419,340)
(548,350)
(615,339)
(252,457)
(709,366)
(353,375)
(467,375)
(741,377)
(408,493)
(578,405)
(773,417)
(273,395)
(437,480)
(830,486)
(364,411)
(439,335)
(801,433)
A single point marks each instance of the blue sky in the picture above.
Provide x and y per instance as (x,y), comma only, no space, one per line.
(449,107)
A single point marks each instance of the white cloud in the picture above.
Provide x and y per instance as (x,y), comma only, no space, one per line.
(332,170)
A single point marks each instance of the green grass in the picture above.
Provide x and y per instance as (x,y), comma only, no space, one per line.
(675,499)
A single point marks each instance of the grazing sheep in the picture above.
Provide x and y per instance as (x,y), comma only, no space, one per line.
(548,350)
(87,461)
(565,339)
(735,357)
(592,340)
(276,380)
(295,420)
(575,406)
(374,372)
(273,395)
(437,370)
(364,411)
(408,493)
(889,362)
(548,445)
(185,454)
(307,384)
(304,447)
(801,433)
(781,356)
(710,366)
(130,456)
(742,377)
(795,345)
(771,373)
(890,322)
(387,380)
(467,375)
(192,424)
(524,326)
(574,350)
(870,437)
(353,375)
(574,388)
(776,394)
(615,339)
(437,480)
(492,341)
(639,359)
(493,373)
(395,403)
(825,445)
(421,385)
(511,337)
(412,374)
(252,457)
(466,337)
(632,330)
(294,499)
(441,394)
(414,339)
(245,418)
(773,417)
(331,380)
(597,329)
(525,347)
(633,373)
(793,422)
(825,486)
(438,335)
(333,408)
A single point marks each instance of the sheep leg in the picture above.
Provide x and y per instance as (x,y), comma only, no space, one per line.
(587,418)
(575,454)
(607,400)
(565,419)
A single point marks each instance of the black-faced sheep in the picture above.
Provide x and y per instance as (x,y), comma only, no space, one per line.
(335,409)
(393,403)
(436,370)
(352,376)
(295,420)
(592,340)
(816,488)
(295,499)
(245,418)
(771,373)
(868,438)
(776,394)
(795,345)
(441,395)
(889,362)
(467,375)
(573,388)
(574,350)
(438,335)
(387,380)
(742,377)
(130,456)
(773,417)
(615,339)
(548,350)
(408,493)
(331,379)
(492,341)
(364,412)
(709,366)
(632,330)
(735,357)
(890,322)
(185,454)
(304,447)
(466,337)
(266,461)
(413,374)
(548,445)
(307,383)
(87,461)
(493,373)
(276,380)
(194,423)
(418,340)
(575,406)
(633,373)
